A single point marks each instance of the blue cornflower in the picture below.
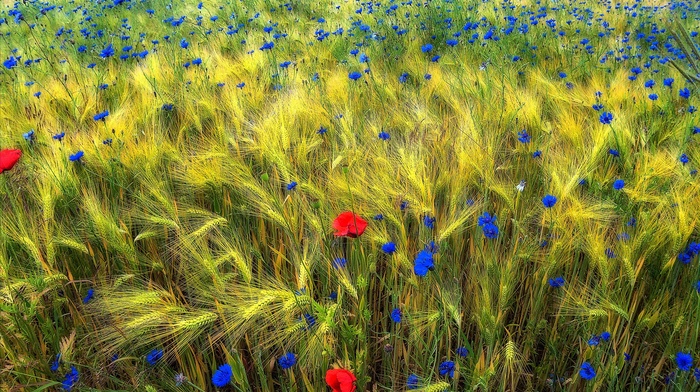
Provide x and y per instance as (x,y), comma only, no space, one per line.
(486,218)
(429,221)
(697,286)
(291,185)
(222,376)
(389,248)
(649,83)
(627,357)
(597,107)
(549,201)
(618,184)
(537,154)
(423,263)
(587,371)
(556,282)
(462,351)
(613,152)
(412,381)
(403,205)
(684,159)
(167,107)
(267,46)
(685,257)
(653,97)
(154,356)
(354,75)
(101,116)
(523,137)
(29,136)
(447,368)
(606,118)
(605,336)
(339,262)
(10,63)
(609,253)
(310,320)
(451,42)
(108,51)
(59,136)
(378,217)
(56,362)
(333,296)
(71,379)
(594,340)
(396,315)
(426,48)
(240,85)
(363,58)
(684,361)
(76,157)
(562,75)
(287,360)
(322,131)
(403,77)
(490,230)
(684,93)
(197,61)
(668,82)
(90,294)
(383,135)
(184,44)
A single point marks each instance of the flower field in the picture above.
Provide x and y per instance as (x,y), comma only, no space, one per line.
(263,195)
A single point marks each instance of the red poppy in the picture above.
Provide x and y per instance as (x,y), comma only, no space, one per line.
(341,380)
(8,158)
(350,225)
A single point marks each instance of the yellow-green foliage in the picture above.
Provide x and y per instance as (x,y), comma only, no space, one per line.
(182,222)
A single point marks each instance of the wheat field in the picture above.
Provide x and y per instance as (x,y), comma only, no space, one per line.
(446,195)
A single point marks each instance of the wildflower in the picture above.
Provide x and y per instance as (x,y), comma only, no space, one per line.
(423,263)
(107,142)
(378,217)
(333,296)
(562,75)
(222,376)
(587,371)
(618,184)
(404,205)
(653,97)
(29,136)
(523,137)
(412,381)
(697,286)
(549,201)
(684,361)
(101,116)
(291,185)
(76,157)
(606,118)
(389,248)
(341,380)
(486,218)
(90,294)
(59,136)
(403,77)
(594,341)
(383,135)
(462,351)
(649,83)
(521,186)
(431,247)
(8,159)
(347,224)
(71,379)
(429,222)
(556,282)
(154,356)
(668,82)
(685,257)
(684,159)
(339,262)
(396,315)
(287,360)
(354,75)
(310,320)
(56,362)
(426,48)
(613,152)
(609,253)
(108,51)
(447,368)
(605,336)
(537,154)
(696,374)
(180,379)
(10,63)
(684,93)
(490,230)
(627,357)
(267,46)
